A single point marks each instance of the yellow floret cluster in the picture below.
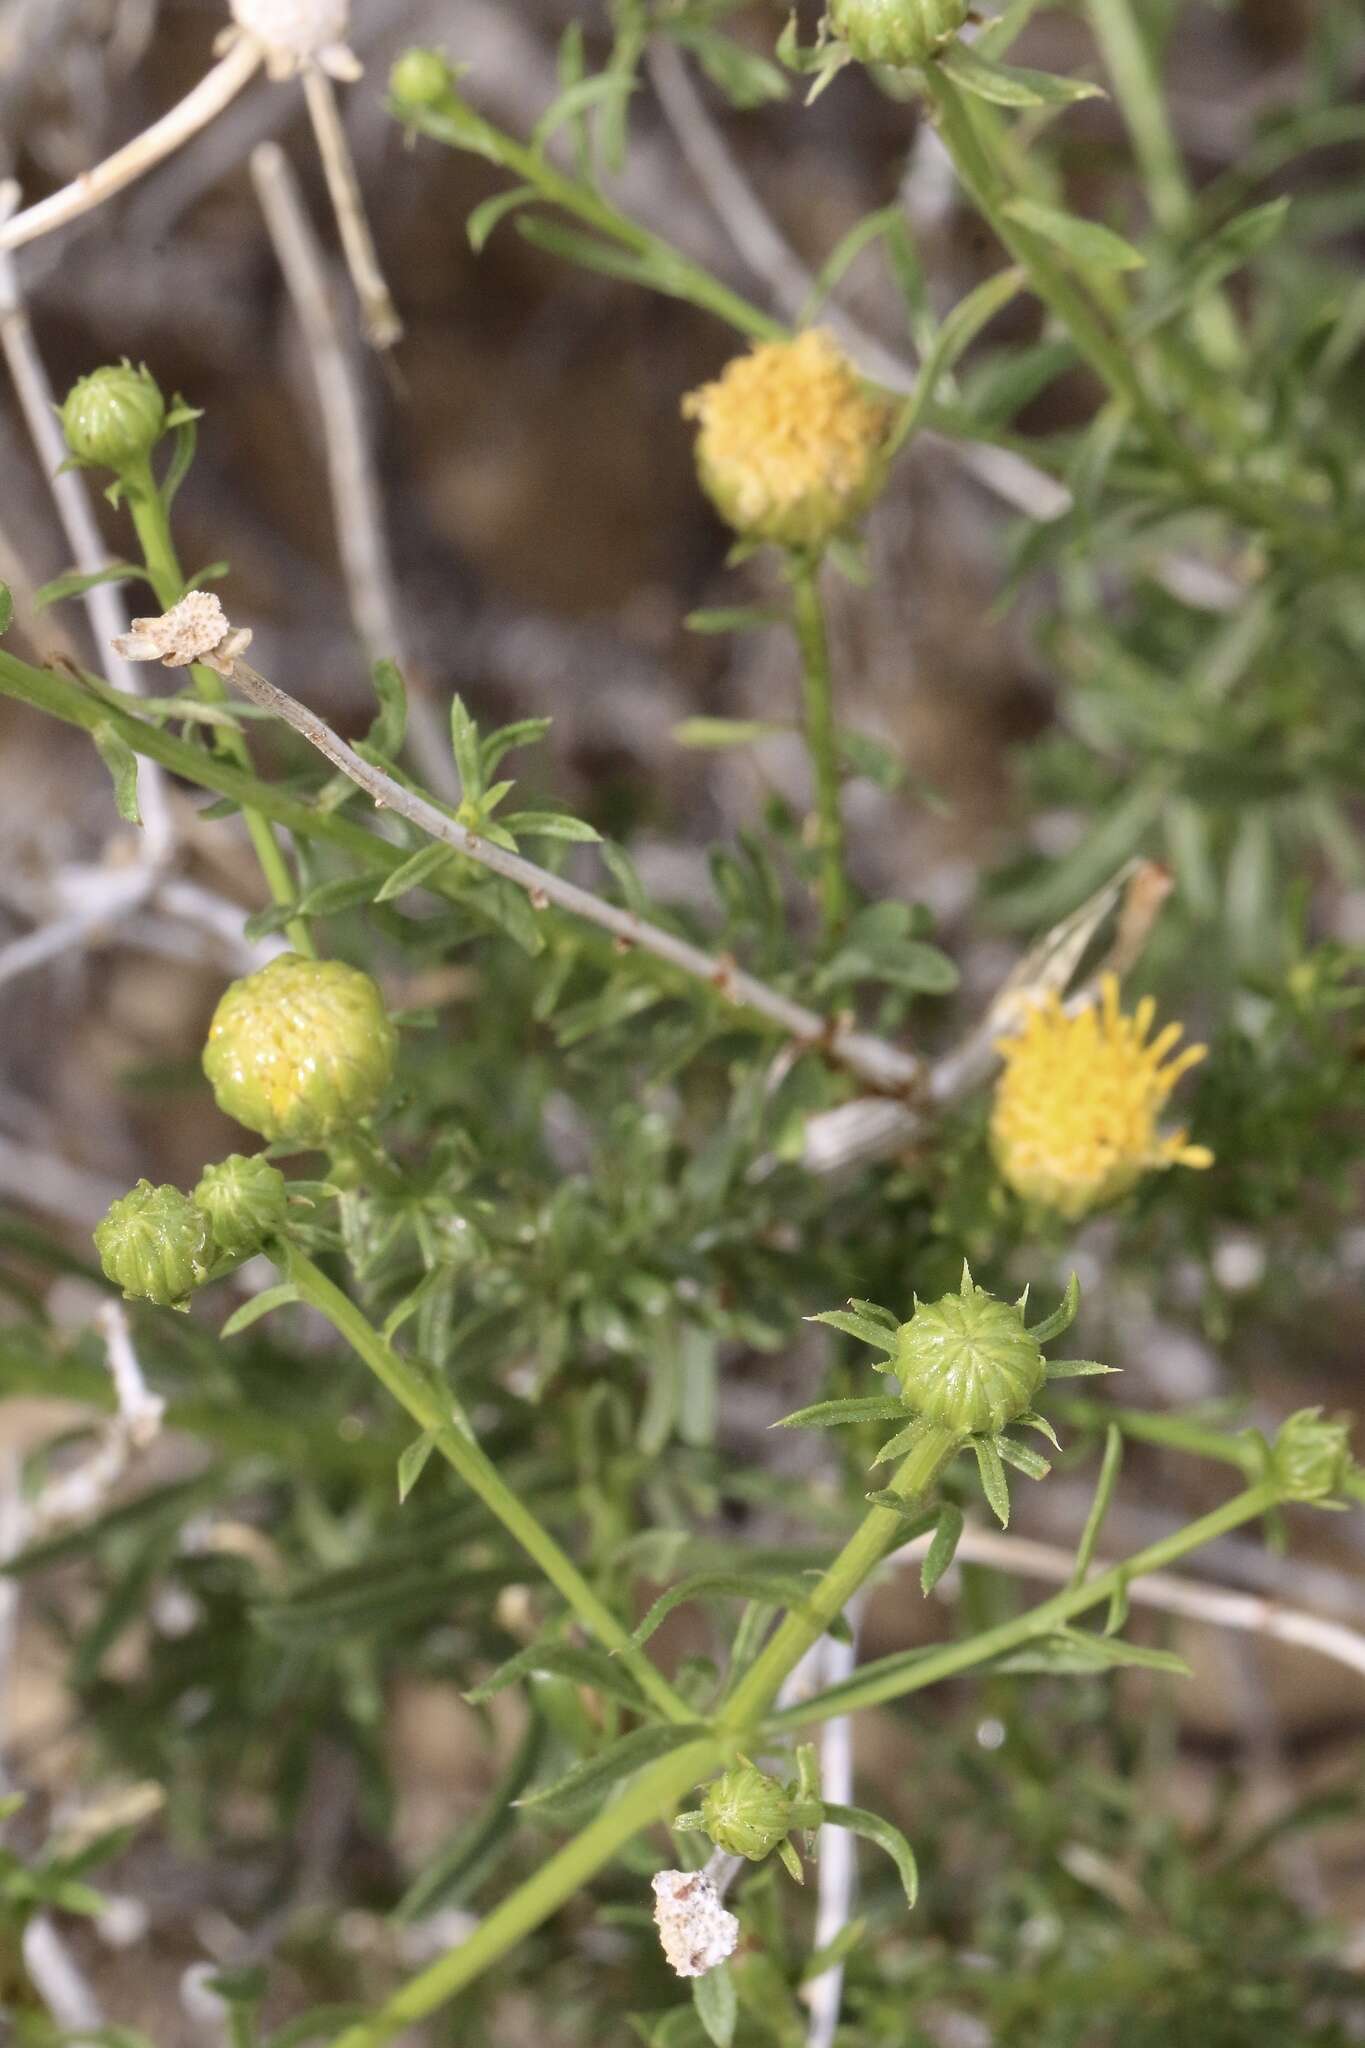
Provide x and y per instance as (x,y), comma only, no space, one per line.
(791,446)
(1074,1124)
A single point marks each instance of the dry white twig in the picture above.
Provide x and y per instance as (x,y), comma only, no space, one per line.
(77,1495)
(836,1852)
(874,1061)
(382,324)
(356,508)
(1172,1592)
(216,90)
(88,553)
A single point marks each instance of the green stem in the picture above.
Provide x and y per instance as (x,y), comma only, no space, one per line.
(822,738)
(454,122)
(878,1531)
(433,1411)
(1137,89)
(651,1796)
(871,1686)
(148,508)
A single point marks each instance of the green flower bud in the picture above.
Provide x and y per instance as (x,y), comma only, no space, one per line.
(301,1049)
(245,1200)
(114,417)
(746,1813)
(155,1245)
(967,1363)
(420,78)
(1310,1459)
(896,32)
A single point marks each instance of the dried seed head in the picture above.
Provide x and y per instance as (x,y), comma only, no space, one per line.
(155,1245)
(297,33)
(967,1362)
(1074,1124)
(195,630)
(245,1200)
(897,32)
(790,447)
(694,1927)
(114,417)
(301,1049)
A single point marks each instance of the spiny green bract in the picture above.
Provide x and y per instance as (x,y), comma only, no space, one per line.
(245,1200)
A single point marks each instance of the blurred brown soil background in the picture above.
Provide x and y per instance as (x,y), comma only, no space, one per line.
(548,539)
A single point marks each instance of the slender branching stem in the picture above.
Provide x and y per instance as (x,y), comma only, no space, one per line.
(434,1411)
(147,505)
(822,739)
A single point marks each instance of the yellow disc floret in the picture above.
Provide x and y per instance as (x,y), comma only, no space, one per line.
(301,1049)
(1075,1118)
(791,447)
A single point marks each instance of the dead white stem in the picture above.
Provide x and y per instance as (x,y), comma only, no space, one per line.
(380,315)
(88,552)
(77,1495)
(215,91)
(51,1185)
(356,507)
(874,1061)
(52,1971)
(836,1854)
(1173,1593)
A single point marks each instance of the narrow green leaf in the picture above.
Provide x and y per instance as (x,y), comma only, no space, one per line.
(1030,1463)
(591,252)
(417,869)
(957,333)
(119,758)
(717,2004)
(589,1781)
(1110,1466)
(714,734)
(76,582)
(773,1587)
(1062,1317)
(834,1414)
(551,825)
(994,1484)
(486,216)
(862,1327)
(581,1663)
(1011,85)
(943,1549)
(1078,1368)
(260,1305)
(873,1828)
(1072,1652)
(6,608)
(1087,243)
(732,619)
(522,732)
(412,1463)
(904,1440)
(464,740)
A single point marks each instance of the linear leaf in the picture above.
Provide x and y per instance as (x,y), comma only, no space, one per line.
(994,1484)
(833,1414)
(717,2004)
(771,1587)
(588,1782)
(862,1327)
(581,1663)
(1011,85)
(260,1305)
(873,1828)
(943,1549)
(1062,1317)
(1085,241)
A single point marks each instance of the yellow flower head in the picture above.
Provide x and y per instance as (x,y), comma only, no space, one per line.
(1075,1118)
(791,446)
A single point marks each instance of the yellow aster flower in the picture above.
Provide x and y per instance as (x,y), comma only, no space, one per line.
(791,446)
(1074,1123)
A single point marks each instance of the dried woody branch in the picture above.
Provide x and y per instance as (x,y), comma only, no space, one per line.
(877,1064)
